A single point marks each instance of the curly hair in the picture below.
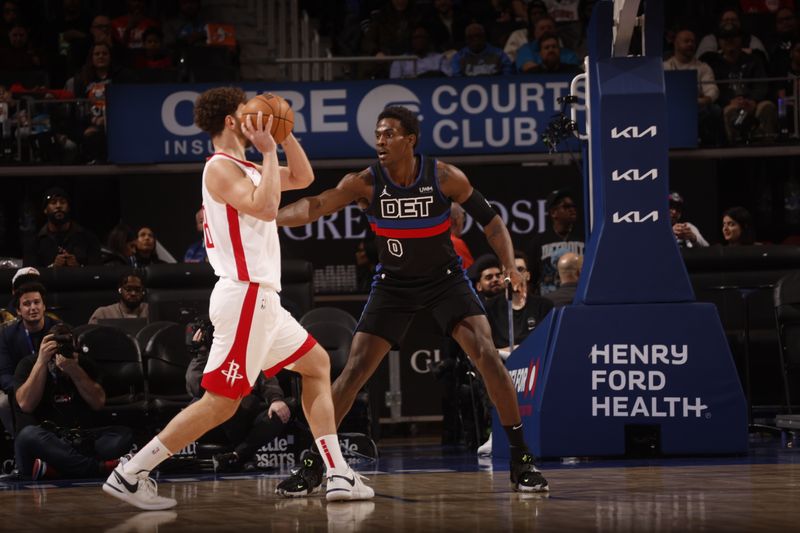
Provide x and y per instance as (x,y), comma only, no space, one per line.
(408,119)
(211,108)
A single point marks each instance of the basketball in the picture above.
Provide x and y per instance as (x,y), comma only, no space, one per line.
(271,104)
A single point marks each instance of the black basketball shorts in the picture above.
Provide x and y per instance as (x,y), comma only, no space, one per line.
(393,303)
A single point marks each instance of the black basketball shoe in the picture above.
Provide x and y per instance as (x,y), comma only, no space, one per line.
(225,462)
(305,479)
(525,477)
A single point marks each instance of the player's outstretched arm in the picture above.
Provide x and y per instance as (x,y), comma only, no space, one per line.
(298,174)
(227,183)
(455,185)
(354,187)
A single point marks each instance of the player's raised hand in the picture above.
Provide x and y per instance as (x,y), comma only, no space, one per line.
(259,134)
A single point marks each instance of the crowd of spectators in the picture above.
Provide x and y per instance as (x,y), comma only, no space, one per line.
(84,45)
(76,49)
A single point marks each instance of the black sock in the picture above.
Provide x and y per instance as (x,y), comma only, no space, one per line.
(516,441)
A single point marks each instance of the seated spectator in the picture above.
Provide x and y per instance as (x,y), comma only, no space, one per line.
(20,339)
(58,389)
(61,242)
(388,33)
(709,114)
(10,18)
(128,29)
(746,111)
(519,38)
(120,246)
(780,43)
(730,18)
(479,58)
(487,276)
(90,83)
(261,416)
(567,14)
(445,25)
(550,58)
(101,32)
(429,64)
(529,55)
(737,227)
(20,54)
(528,310)
(188,28)
(564,235)
(24,276)
(569,270)
(154,55)
(67,40)
(131,302)
(686,233)
(196,253)
(456,228)
(146,252)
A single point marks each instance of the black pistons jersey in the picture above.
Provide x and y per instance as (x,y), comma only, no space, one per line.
(412,225)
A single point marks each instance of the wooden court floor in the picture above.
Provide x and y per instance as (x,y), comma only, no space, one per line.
(726,497)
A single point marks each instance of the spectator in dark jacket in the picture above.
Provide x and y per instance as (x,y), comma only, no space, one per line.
(20,339)
(745,107)
(61,242)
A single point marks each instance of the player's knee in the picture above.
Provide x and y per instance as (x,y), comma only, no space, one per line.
(220,407)
(316,364)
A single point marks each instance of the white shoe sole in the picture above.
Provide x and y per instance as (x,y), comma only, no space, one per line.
(341,495)
(126,497)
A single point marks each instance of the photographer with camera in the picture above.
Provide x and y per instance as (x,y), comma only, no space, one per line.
(261,416)
(59,390)
(21,338)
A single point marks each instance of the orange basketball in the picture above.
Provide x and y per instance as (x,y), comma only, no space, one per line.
(271,104)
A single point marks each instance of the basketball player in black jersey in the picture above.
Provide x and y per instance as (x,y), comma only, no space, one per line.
(407,198)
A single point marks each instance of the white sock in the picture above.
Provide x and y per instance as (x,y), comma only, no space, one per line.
(149,457)
(328,446)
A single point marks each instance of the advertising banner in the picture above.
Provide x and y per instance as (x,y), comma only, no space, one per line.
(333,120)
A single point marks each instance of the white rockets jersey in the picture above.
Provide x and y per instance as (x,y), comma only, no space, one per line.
(239,246)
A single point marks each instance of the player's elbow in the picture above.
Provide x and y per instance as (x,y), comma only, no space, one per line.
(269,213)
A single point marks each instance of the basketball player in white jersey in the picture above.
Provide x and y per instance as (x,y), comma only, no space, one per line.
(252,332)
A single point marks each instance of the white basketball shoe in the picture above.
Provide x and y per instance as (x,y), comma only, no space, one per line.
(347,486)
(140,490)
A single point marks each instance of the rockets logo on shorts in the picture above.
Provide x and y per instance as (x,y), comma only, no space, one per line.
(232,374)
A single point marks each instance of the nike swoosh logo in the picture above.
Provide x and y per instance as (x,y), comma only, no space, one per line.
(516,427)
(349,480)
(131,487)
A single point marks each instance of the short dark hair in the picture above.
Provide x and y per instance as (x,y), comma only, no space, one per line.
(31,286)
(482,263)
(745,220)
(123,279)
(211,108)
(408,119)
(519,254)
(548,37)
